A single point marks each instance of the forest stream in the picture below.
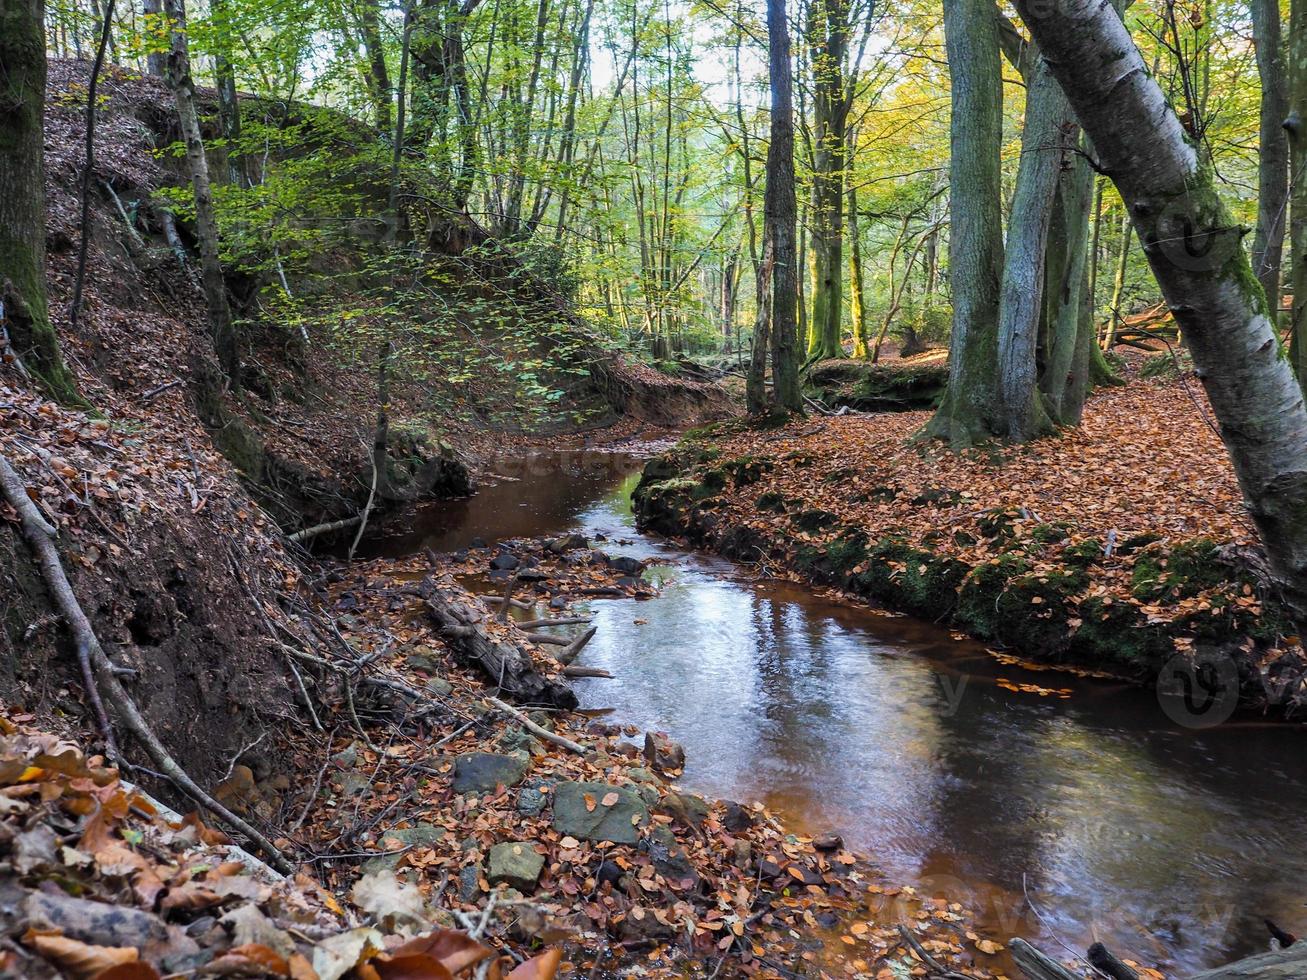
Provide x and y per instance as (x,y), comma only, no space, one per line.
(966,777)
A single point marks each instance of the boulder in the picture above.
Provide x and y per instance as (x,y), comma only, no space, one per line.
(662,753)
(515,863)
(483,772)
(828,842)
(504,562)
(570,542)
(669,858)
(619,822)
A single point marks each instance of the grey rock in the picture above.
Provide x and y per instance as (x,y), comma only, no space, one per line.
(439,686)
(661,753)
(516,739)
(92,922)
(469,884)
(423,834)
(515,863)
(531,800)
(482,772)
(504,562)
(669,858)
(351,783)
(626,565)
(619,823)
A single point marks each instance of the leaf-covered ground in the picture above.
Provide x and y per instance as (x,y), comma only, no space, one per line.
(1137,509)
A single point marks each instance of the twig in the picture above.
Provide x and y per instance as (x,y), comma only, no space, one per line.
(75,307)
(537,730)
(317,785)
(937,969)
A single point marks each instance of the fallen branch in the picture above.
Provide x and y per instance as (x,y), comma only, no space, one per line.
(537,730)
(573,649)
(1102,960)
(92,654)
(937,969)
(498,599)
(1037,965)
(532,624)
(548,639)
(318,529)
(577,670)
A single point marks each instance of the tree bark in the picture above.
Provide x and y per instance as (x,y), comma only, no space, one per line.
(221,331)
(857,300)
(1296,125)
(1273,156)
(229,108)
(1194,248)
(779,204)
(972,404)
(829,41)
(1044,137)
(1118,282)
(24,312)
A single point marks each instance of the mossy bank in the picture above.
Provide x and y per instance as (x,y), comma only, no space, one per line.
(1123,606)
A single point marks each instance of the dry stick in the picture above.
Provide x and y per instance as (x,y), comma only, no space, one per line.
(937,969)
(531,624)
(122,213)
(573,649)
(548,639)
(312,532)
(576,670)
(499,600)
(535,729)
(367,510)
(37,533)
(76,305)
(317,785)
(506,600)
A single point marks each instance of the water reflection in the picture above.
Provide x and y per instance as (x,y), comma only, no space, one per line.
(1167,843)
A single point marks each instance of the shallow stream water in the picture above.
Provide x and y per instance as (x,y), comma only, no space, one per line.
(1079,815)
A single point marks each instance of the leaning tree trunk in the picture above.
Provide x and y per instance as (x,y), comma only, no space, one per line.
(779,205)
(1194,248)
(1066,374)
(1296,125)
(972,405)
(26,335)
(1273,158)
(221,331)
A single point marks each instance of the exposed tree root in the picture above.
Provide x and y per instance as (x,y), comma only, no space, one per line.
(97,667)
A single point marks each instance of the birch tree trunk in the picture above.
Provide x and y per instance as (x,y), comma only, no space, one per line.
(25,329)
(1296,125)
(973,401)
(178,77)
(1194,248)
(1273,156)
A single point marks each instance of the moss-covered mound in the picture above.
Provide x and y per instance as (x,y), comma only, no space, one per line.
(886,387)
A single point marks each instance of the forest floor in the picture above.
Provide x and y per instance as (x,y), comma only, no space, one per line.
(1116,546)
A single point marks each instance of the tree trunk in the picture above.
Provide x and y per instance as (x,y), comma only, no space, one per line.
(857,301)
(156,62)
(972,404)
(755,383)
(1194,248)
(1043,139)
(229,108)
(24,313)
(1296,124)
(1118,283)
(378,76)
(779,204)
(179,80)
(1071,334)
(829,40)
(1273,158)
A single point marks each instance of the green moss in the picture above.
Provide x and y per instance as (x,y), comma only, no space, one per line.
(799,459)
(1083,553)
(1117,636)
(876,495)
(840,475)
(978,599)
(1180,573)
(771,500)
(1049,533)
(813,520)
(998,523)
(1135,542)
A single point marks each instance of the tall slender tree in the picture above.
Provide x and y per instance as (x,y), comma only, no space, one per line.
(222,332)
(27,337)
(780,208)
(1296,125)
(1273,149)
